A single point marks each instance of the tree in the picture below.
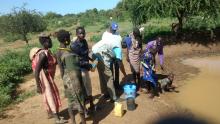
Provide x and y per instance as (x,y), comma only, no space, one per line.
(52,15)
(119,12)
(182,9)
(22,21)
(141,10)
(136,10)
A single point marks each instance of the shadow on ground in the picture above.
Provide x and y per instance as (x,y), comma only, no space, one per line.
(180,119)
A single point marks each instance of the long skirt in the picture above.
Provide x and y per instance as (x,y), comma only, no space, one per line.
(50,92)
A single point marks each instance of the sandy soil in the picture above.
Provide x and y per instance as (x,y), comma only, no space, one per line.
(32,111)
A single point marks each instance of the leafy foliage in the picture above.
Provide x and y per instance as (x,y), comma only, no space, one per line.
(136,10)
(54,22)
(22,21)
(52,15)
(14,65)
(142,10)
(96,38)
(9,37)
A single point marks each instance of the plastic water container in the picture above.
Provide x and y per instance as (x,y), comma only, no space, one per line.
(130,90)
(118,110)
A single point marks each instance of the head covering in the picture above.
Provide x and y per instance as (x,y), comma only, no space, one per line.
(114,26)
(141,29)
(33,52)
(43,34)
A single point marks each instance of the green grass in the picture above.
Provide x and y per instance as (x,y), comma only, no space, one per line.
(125,28)
(26,94)
(98,27)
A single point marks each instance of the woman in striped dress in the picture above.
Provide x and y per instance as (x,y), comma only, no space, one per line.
(134,49)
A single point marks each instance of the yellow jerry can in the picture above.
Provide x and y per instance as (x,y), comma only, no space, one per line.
(118,110)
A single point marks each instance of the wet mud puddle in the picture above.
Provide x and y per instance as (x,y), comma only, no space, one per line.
(201,94)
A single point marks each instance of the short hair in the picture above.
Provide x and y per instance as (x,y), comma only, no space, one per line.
(137,36)
(78,28)
(159,36)
(136,32)
(44,39)
(62,35)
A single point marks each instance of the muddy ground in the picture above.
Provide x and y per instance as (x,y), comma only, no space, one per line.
(31,110)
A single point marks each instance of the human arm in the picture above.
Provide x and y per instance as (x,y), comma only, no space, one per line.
(127,55)
(118,59)
(161,56)
(122,68)
(59,61)
(128,44)
(39,67)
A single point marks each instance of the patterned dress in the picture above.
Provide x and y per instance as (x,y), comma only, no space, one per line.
(134,53)
(48,87)
(72,79)
(149,74)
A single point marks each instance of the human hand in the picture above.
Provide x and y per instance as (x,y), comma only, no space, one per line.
(93,66)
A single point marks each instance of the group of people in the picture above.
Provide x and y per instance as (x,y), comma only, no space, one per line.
(75,60)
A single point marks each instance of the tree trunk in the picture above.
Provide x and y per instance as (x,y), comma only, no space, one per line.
(212,35)
(25,39)
(180,17)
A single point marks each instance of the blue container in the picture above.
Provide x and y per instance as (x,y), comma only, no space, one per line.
(130,90)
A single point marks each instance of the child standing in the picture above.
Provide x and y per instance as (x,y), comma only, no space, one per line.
(71,75)
(80,48)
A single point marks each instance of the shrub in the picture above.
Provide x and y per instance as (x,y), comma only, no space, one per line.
(61,22)
(5,97)
(9,37)
(14,65)
(198,22)
(96,38)
(151,32)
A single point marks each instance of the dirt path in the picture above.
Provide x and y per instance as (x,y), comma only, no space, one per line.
(32,111)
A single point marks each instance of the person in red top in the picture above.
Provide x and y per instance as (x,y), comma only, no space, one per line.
(44,66)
